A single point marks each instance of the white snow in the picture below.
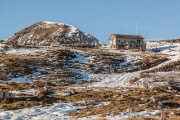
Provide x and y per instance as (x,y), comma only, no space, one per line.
(21,79)
(116,80)
(51,24)
(80,58)
(168,48)
(73,31)
(89,77)
(57,111)
(26,51)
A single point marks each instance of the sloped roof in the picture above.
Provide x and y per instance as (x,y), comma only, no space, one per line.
(127,36)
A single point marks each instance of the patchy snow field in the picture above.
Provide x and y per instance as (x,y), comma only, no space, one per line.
(32,51)
(118,80)
(57,111)
(99,80)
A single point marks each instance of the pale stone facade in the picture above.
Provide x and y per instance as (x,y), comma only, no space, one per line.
(120,41)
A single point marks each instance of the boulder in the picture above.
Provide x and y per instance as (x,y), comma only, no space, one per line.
(6,95)
(1,94)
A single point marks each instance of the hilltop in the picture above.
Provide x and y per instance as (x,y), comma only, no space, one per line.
(46,33)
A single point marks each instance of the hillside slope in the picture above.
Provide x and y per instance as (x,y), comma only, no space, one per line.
(85,83)
(51,34)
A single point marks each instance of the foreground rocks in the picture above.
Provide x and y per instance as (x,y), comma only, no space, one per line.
(6,95)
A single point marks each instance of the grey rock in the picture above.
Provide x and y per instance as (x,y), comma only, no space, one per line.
(1,94)
(6,95)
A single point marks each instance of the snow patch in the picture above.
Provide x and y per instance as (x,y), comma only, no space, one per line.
(117,80)
(57,111)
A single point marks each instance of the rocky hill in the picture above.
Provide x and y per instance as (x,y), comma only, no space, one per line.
(51,34)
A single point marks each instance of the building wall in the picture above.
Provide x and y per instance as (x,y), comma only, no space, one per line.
(123,43)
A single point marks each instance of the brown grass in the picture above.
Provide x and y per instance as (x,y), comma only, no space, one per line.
(121,101)
(140,118)
(171,114)
(142,75)
(19,105)
(174,117)
(132,81)
(44,93)
(151,61)
(16,86)
(4,76)
(19,65)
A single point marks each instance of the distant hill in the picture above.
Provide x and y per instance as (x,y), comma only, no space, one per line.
(51,34)
(177,40)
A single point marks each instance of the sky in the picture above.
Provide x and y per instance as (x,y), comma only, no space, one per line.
(153,19)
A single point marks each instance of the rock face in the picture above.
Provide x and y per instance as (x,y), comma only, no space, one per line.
(51,34)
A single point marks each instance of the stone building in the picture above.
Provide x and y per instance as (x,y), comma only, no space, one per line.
(120,41)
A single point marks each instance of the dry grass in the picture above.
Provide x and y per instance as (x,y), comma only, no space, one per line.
(171,114)
(140,118)
(142,75)
(138,99)
(20,65)
(132,81)
(151,61)
(43,93)
(175,65)
(121,101)
(4,76)
(174,117)
(11,86)
(20,105)
(168,67)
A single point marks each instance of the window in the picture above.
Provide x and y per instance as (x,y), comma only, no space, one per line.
(139,41)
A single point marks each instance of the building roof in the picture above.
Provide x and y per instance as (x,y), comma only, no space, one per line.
(127,36)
